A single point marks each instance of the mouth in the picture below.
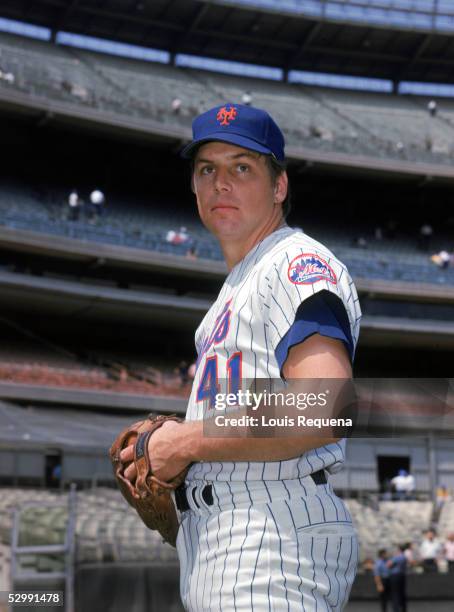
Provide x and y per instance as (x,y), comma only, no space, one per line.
(223,207)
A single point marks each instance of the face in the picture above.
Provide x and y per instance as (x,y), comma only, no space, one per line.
(235,194)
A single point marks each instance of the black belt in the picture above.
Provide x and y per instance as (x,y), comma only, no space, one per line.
(207,492)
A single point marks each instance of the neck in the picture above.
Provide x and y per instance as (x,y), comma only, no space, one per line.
(236,250)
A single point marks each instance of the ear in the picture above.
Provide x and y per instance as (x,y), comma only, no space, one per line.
(280,188)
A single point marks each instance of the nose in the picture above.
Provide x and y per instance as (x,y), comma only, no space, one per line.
(222,183)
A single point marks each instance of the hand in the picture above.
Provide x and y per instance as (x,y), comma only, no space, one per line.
(164,451)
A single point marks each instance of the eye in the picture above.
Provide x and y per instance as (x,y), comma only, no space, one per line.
(243,167)
(206,169)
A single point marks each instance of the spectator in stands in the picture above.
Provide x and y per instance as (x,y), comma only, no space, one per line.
(441,497)
(442,259)
(430,550)
(176,106)
(397,580)
(429,142)
(56,475)
(191,253)
(171,236)
(425,236)
(448,549)
(432,108)
(183,235)
(7,76)
(410,555)
(191,370)
(179,237)
(76,90)
(404,485)
(360,242)
(246,98)
(97,203)
(381,579)
(74,204)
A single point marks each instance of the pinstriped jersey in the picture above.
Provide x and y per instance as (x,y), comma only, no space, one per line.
(239,335)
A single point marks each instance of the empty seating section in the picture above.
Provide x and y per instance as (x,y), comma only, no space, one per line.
(5,564)
(389,524)
(35,364)
(357,123)
(118,378)
(304,117)
(151,89)
(446,111)
(392,119)
(107,529)
(43,70)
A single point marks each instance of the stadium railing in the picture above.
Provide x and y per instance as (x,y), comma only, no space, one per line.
(66,550)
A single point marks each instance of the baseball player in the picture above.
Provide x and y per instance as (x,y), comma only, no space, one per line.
(261,528)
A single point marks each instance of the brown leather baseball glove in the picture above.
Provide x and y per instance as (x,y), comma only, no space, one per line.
(150,496)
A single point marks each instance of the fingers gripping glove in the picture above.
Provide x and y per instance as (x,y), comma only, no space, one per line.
(150,496)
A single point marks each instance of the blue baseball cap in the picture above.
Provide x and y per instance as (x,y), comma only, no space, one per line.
(245,126)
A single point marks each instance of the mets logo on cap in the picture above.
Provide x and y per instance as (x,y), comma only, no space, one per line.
(226,114)
(308,268)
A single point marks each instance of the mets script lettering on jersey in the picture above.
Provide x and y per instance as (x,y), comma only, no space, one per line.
(219,331)
(308,268)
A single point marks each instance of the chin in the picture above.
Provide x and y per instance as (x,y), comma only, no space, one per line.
(224,231)
(225,225)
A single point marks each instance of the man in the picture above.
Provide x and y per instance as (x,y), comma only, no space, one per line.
(97,203)
(397,580)
(261,528)
(430,551)
(74,205)
(404,485)
(381,578)
(411,555)
(179,237)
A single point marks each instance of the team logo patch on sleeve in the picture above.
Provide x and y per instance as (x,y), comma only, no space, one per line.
(309,268)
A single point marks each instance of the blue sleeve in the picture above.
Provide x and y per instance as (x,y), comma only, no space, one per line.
(323,314)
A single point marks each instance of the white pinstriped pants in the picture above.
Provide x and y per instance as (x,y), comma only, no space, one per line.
(266,546)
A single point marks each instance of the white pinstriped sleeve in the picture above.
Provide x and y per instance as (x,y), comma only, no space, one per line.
(293,276)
